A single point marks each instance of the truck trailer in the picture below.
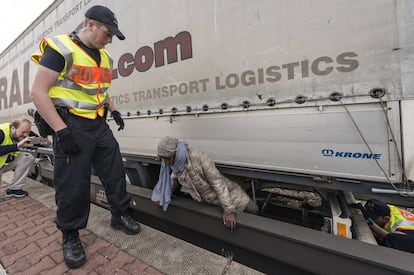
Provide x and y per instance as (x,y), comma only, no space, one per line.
(322,89)
(293,94)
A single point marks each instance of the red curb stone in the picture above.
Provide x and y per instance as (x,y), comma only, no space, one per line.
(16,201)
(45,263)
(2,236)
(7,250)
(5,210)
(18,266)
(12,258)
(10,220)
(87,237)
(11,240)
(20,244)
(47,213)
(37,228)
(93,262)
(109,252)
(17,229)
(33,219)
(58,255)
(37,218)
(29,208)
(59,269)
(121,259)
(34,258)
(95,246)
(8,227)
(52,229)
(31,205)
(48,240)
(80,271)
(35,209)
(24,221)
(3,215)
(50,218)
(38,255)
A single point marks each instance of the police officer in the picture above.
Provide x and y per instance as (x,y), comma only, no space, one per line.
(13,137)
(392,226)
(70,91)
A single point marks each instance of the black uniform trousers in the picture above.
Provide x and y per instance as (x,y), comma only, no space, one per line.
(72,174)
(399,241)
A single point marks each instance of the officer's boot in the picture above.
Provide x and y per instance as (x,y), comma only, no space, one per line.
(72,249)
(125,223)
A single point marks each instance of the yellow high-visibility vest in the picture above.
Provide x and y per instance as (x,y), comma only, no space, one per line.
(400,219)
(82,85)
(5,127)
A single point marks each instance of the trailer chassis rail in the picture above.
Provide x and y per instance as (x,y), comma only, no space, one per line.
(264,244)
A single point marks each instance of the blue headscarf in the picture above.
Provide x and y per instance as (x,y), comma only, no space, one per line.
(162,191)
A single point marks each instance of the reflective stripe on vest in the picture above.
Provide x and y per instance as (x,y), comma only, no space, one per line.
(82,85)
(399,220)
(5,127)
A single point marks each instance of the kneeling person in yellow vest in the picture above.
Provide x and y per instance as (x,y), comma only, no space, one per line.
(393,226)
(13,137)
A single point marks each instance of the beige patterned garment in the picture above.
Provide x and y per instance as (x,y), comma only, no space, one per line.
(212,186)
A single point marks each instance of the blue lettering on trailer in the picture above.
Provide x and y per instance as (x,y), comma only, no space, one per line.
(354,155)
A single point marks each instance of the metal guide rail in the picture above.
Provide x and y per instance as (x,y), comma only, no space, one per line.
(264,244)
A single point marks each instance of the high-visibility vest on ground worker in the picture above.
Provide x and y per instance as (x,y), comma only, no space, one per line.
(82,85)
(5,127)
(400,220)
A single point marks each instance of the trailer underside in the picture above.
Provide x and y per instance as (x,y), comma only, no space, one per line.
(291,238)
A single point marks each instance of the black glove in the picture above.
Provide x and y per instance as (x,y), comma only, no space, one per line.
(118,119)
(67,141)
(360,207)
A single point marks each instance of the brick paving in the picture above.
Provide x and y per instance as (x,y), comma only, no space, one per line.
(31,244)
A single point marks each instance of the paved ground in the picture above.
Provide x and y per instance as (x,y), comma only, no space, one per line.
(31,244)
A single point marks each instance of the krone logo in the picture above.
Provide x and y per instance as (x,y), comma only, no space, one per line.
(327,152)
